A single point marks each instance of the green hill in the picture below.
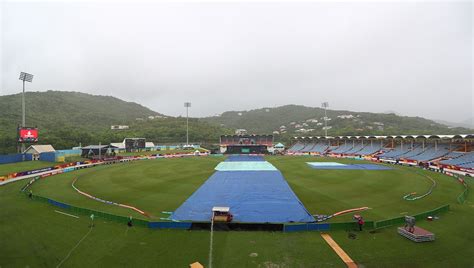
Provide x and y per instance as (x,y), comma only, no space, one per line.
(66,119)
(308,121)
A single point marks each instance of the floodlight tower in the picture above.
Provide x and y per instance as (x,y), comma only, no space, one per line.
(325,105)
(25,77)
(187,105)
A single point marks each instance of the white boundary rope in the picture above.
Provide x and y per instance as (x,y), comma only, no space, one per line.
(67,214)
(69,254)
(105,201)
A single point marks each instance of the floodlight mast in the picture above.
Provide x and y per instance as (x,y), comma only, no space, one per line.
(25,77)
(187,105)
(325,105)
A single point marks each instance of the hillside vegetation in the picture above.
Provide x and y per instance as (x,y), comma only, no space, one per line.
(305,121)
(67,119)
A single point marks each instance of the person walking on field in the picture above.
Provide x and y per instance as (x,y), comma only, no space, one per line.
(360,221)
(92,221)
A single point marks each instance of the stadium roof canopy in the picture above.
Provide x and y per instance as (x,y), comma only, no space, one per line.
(434,137)
(119,145)
(97,147)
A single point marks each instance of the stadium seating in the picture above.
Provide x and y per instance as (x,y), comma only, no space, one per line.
(430,153)
(308,147)
(342,148)
(398,150)
(454,154)
(440,153)
(320,147)
(296,147)
(462,160)
(356,148)
(415,151)
(369,149)
(467,165)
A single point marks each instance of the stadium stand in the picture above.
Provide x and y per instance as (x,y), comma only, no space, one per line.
(430,153)
(369,149)
(467,165)
(416,150)
(320,147)
(296,147)
(454,153)
(356,148)
(342,148)
(308,147)
(398,150)
(463,159)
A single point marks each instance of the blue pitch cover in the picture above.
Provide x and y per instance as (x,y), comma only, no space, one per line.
(253,196)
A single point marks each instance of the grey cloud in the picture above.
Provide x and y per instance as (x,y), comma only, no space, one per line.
(413,58)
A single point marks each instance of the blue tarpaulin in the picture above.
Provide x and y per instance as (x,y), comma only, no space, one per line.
(320,165)
(253,196)
(245,166)
(244,158)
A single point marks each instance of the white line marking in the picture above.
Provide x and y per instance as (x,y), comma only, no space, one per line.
(69,254)
(70,215)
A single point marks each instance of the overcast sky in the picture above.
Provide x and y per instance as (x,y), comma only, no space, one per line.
(411,58)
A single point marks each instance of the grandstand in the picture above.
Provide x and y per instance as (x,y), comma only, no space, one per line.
(393,153)
(342,149)
(415,150)
(462,159)
(245,144)
(437,151)
(320,148)
(303,147)
(369,149)
(308,147)
(355,148)
(429,154)
(298,146)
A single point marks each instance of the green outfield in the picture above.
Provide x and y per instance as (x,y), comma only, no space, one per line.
(34,235)
(6,169)
(168,151)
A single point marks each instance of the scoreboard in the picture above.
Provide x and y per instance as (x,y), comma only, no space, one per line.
(27,134)
(266,140)
(134,144)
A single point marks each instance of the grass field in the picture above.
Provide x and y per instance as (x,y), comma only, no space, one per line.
(176,151)
(36,236)
(23,166)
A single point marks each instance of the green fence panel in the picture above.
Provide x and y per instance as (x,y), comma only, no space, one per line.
(350,225)
(463,196)
(389,222)
(333,226)
(401,220)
